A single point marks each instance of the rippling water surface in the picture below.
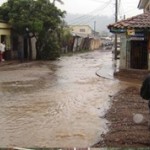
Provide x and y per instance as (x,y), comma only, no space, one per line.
(57,104)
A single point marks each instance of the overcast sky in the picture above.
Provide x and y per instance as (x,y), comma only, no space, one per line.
(99,7)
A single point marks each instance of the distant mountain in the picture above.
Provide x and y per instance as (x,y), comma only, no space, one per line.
(100,22)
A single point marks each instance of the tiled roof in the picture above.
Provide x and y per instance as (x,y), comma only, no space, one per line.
(140,21)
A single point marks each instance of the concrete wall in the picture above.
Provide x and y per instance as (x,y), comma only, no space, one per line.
(33,44)
(147,6)
(149,51)
(123,53)
(81,43)
(4,25)
(5,30)
(95,44)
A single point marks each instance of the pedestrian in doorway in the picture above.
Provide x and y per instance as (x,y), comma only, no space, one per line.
(2,50)
(145,93)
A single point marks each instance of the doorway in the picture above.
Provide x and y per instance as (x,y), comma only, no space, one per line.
(139,55)
(3,38)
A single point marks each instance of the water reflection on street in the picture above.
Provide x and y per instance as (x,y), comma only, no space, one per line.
(60,104)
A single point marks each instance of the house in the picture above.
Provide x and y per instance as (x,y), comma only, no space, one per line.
(5,35)
(145,5)
(17,47)
(82,30)
(135,39)
(83,38)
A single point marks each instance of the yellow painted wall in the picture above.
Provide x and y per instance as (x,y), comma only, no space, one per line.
(5,30)
(78,29)
(4,25)
(148,51)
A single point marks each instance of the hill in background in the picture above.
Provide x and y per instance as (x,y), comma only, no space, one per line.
(101,22)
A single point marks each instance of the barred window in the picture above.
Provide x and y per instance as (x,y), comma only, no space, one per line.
(82,30)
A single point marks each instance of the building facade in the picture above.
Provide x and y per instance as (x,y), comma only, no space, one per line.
(83,38)
(16,48)
(5,34)
(83,30)
(145,5)
(135,41)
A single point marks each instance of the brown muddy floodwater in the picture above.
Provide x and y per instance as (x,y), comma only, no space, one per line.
(55,104)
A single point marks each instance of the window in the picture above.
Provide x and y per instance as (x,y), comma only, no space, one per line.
(3,38)
(82,30)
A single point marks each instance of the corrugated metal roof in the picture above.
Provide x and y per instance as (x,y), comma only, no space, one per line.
(140,21)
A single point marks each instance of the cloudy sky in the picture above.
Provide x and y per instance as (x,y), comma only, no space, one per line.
(99,7)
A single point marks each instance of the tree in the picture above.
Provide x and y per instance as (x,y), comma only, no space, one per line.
(66,38)
(40,18)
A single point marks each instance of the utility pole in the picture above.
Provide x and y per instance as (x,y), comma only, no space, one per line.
(94,27)
(115,50)
(116,11)
(94,32)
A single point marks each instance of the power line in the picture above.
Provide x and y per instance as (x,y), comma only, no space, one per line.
(121,10)
(99,1)
(94,12)
(130,5)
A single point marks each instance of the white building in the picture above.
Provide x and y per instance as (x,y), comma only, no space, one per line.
(81,30)
(145,5)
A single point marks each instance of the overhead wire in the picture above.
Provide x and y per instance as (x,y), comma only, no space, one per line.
(124,13)
(120,10)
(94,12)
(85,16)
(99,1)
(99,11)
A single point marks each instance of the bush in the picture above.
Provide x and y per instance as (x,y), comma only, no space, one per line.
(51,51)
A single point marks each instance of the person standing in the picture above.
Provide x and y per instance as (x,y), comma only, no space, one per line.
(2,50)
(145,93)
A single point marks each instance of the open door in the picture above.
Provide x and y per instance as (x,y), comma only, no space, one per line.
(139,55)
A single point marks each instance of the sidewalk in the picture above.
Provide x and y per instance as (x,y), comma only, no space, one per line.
(128,115)
(130,75)
(106,71)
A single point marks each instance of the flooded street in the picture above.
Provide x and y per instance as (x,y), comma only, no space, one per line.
(56,104)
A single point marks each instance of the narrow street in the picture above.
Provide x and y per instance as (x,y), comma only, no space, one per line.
(56,104)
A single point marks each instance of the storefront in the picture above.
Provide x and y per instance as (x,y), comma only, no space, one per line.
(135,42)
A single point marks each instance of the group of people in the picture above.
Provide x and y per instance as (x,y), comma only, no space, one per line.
(2,50)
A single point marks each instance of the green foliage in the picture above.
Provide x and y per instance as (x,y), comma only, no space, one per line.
(49,47)
(39,16)
(50,52)
(66,36)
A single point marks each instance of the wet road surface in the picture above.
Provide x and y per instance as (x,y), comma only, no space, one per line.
(56,104)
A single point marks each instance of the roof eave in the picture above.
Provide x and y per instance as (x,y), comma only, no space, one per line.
(123,30)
